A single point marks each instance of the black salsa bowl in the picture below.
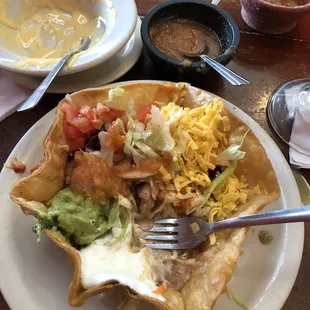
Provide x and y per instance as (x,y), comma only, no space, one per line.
(199,12)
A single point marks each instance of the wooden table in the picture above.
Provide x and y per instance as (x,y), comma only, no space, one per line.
(267,61)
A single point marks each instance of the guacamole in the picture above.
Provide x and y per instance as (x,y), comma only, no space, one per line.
(79,219)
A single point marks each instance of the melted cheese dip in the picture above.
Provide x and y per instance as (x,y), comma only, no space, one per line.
(102,263)
(47,30)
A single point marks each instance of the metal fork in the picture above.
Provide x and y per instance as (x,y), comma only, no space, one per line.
(188,232)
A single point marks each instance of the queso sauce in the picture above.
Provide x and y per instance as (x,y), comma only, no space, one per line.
(44,30)
(176,36)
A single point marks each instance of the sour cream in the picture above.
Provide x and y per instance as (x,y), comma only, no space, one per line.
(102,263)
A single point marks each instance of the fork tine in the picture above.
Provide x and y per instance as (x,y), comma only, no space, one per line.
(174,246)
(163,229)
(167,221)
(163,246)
(160,237)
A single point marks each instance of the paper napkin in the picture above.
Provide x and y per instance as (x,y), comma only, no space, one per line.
(11,96)
(300,136)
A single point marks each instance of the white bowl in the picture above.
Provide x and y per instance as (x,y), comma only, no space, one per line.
(121,19)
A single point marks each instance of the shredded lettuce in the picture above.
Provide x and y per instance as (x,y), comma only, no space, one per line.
(233,152)
(157,139)
(139,127)
(114,217)
(136,154)
(135,145)
(124,202)
(137,136)
(220,179)
(146,150)
(161,138)
(121,124)
(115,92)
(105,153)
(120,223)
(144,142)
(129,145)
(119,233)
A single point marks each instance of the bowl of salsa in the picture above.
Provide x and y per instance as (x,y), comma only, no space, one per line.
(178,27)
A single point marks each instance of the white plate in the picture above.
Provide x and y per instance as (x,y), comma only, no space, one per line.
(120,17)
(100,75)
(39,275)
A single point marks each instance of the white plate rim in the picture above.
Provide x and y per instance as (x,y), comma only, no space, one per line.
(279,290)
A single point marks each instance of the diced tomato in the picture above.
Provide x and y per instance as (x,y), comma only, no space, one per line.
(70,112)
(114,114)
(97,123)
(82,123)
(102,109)
(115,138)
(76,144)
(108,115)
(111,116)
(143,112)
(88,112)
(71,131)
(91,115)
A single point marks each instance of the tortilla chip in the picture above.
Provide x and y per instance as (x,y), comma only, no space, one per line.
(217,262)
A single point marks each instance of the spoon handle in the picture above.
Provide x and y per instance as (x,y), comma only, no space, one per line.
(37,95)
(301,214)
(232,77)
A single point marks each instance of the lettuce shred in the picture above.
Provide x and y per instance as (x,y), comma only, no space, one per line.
(115,92)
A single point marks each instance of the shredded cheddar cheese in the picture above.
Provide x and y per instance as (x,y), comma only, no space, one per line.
(199,135)
(166,175)
(226,199)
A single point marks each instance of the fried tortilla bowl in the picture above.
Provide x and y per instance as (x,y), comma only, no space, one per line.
(217,262)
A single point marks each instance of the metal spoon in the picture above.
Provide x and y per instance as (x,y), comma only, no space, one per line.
(232,77)
(37,95)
